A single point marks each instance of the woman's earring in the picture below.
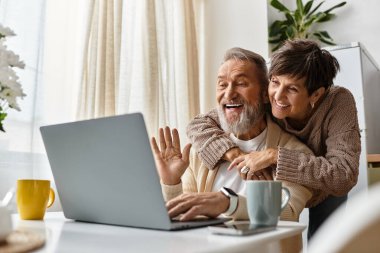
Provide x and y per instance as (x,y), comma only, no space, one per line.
(312,105)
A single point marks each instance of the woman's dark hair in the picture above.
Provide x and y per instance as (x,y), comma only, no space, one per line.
(303,58)
(238,53)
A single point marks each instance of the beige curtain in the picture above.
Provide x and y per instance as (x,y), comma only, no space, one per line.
(142,56)
(101,61)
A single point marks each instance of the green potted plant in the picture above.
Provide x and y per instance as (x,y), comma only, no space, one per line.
(299,23)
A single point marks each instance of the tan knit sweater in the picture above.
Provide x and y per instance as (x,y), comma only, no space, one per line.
(332,133)
(198,178)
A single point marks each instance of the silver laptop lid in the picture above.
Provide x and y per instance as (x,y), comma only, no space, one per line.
(104,171)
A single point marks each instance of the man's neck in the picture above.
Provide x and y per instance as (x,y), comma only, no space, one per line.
(254,131)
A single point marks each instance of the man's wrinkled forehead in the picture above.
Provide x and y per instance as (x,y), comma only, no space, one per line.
(236,68)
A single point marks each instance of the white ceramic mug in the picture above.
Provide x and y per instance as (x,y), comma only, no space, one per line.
(5,223)
(264,201)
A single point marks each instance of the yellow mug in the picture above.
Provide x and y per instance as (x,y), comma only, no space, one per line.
(33,197)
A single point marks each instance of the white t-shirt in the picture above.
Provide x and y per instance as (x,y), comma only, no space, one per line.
(231,179)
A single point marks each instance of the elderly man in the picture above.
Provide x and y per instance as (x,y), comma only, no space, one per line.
(191,188)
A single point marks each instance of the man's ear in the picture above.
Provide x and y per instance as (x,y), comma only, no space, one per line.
(317,94)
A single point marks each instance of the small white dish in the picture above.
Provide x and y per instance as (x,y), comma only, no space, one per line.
(5,222)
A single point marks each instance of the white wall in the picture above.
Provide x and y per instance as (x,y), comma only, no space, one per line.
(226,24)
(356,21)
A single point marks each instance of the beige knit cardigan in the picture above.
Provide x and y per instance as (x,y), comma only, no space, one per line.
(332,133)
(198,178)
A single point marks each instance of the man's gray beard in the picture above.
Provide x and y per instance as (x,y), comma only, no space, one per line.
(248,118)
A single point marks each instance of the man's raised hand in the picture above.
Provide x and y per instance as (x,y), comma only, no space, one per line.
(170,162)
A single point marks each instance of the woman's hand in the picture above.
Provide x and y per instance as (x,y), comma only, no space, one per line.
(256,164)
(170,162)
(232,154)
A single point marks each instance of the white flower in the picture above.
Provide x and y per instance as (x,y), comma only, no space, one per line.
(9,58)
(10,96)
(10,88)
(6,31)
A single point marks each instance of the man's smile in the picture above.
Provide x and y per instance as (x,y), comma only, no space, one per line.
(232,106)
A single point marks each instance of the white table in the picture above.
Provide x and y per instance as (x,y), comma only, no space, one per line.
(63,235)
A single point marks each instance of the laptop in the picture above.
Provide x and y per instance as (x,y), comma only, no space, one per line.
(105,172)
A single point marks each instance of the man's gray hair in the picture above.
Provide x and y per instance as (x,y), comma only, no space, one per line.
(238,53)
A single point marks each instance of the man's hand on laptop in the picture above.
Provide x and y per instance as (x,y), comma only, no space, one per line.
(170,162)
(190,205)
